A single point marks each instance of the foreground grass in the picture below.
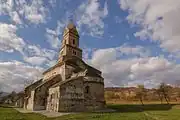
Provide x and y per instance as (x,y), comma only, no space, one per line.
(124,112)
(11,114)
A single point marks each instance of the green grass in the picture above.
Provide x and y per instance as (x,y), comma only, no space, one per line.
(124,112)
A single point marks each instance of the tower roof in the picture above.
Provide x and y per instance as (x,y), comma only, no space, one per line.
(71,25)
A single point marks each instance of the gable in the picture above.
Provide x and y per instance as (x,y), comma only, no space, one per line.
(34,85)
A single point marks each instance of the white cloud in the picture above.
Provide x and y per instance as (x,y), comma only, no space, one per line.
(54,35)
(11,75)
(90,15)
(146,70)
(60,27)
(158,19)
(149,66)
(51,63)
(127,37)
(38,56)
(108,55)
(52,38)
(15,17)
(111,54)
(9,41)
(87,52)
(33,11)
(105,9)
(6,6)
(137,50)
(52,3)
(34,50)
(118,19)
(35,60)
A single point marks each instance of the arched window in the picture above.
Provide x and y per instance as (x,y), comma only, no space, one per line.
(74,52)
(73,41)
(87,89)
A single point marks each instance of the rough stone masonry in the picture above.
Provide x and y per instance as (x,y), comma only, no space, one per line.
(70,85)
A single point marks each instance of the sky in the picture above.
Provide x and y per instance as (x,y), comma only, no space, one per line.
(131,41)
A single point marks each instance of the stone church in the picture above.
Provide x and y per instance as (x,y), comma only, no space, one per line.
(70,85)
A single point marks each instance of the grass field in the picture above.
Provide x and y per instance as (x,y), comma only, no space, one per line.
(124,112)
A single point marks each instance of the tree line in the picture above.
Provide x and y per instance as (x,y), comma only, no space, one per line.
(164,92)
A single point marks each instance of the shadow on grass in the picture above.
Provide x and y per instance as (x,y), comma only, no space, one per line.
(5,106)
(141,108)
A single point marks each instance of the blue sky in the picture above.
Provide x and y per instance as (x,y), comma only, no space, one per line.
(131,41)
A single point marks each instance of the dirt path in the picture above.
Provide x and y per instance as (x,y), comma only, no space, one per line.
(43,112)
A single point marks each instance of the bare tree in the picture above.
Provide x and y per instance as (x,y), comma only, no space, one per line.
(164,91)
(158,91)
(141,93)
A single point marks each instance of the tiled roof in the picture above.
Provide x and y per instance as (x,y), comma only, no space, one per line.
(72,60)
(56,65)
(66,81)
(58,76)
(35,84)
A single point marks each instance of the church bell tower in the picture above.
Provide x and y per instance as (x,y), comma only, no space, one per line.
(70,43)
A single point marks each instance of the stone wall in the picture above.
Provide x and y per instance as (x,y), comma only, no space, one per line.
(20,102)
(40,98)
(71,96)
(41,93)
(30,101)
(68,71)
(82,94)
(94,93)
(29,88)
(54,72)
(53,99)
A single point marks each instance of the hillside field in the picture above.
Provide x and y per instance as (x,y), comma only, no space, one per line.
(124,112)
